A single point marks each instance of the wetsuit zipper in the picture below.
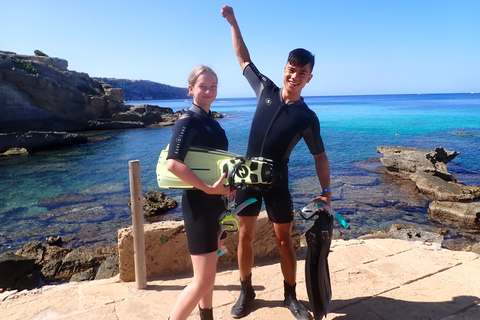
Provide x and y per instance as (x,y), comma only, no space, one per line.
(279,110)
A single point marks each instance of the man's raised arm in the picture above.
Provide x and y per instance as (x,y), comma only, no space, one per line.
(239,46)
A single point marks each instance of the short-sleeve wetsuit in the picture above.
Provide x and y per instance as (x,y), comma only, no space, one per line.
(200,210)
(276,128)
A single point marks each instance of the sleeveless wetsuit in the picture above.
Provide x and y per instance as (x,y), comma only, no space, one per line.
(200,210)
(276,129)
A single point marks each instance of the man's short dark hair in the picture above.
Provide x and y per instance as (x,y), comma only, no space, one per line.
(301,57)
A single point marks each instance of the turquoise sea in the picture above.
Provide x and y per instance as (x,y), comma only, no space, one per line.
(82,191)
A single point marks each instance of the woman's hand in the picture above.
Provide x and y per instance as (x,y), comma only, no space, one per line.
(218,187)
(182,171)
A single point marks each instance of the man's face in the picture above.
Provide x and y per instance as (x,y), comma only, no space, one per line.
(296,77)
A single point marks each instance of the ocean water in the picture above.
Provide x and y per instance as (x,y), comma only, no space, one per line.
(82,191)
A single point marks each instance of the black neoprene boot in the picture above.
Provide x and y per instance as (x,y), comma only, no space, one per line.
(205,314)
(247,294)
(291,302)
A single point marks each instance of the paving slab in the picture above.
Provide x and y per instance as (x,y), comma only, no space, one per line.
(377,279)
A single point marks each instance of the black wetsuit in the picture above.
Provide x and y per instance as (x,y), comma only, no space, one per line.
(200,210)
(276,129)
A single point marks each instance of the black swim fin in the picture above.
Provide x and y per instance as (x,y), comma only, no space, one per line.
(317,274)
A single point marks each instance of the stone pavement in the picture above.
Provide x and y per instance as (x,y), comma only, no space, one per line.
(371,279)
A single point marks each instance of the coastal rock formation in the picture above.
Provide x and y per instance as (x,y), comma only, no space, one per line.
(442,190)
(35,140)
(428,169)
(156,203)
(33,264)
(146,114)
(39,94)
(405,160)
(459,213)
(14,269)
(108,268)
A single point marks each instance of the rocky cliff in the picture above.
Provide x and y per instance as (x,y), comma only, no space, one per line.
(39,94)
(145,90)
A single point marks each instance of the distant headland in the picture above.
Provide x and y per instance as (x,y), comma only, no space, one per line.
(145,89)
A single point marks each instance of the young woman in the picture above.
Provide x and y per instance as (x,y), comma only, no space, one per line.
(202,205)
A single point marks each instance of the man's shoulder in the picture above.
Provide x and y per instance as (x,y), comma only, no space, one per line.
(307,109)
(251,69)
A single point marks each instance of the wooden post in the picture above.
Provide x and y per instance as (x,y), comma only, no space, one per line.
(137,224)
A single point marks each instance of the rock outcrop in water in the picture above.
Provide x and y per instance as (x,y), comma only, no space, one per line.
(156,203)
(454,202)
(405,160)
(456,213)
(34,140)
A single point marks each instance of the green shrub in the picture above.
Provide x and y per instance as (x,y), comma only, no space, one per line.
(24,65)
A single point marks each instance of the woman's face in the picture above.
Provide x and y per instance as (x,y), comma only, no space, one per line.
(204,91)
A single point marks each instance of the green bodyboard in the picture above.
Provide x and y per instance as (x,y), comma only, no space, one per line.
(209,165)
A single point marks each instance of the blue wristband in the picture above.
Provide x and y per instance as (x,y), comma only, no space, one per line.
(327,190)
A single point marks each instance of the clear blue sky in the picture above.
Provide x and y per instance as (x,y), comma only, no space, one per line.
(361,47)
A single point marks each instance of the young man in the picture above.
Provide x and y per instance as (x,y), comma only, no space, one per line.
(281,119)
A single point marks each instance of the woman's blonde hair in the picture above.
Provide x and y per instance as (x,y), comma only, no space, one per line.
(196,72)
